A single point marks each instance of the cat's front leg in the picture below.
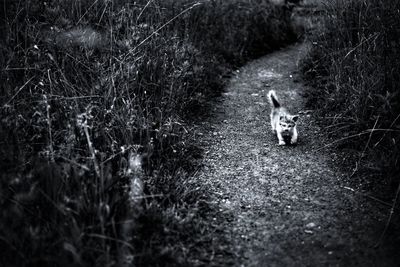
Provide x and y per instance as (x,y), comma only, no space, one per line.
(293,140)
(281,140)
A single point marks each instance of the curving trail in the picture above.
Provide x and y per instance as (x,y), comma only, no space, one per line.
(281,206)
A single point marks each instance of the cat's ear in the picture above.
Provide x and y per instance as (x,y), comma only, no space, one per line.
(295,118)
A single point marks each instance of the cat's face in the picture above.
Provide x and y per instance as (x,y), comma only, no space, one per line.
(287,123)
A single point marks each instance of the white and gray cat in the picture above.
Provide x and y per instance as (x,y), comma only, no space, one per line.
(282,122)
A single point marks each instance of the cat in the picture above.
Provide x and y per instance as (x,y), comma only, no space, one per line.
(282,122)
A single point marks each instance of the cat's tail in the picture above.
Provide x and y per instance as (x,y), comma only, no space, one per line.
(273,99)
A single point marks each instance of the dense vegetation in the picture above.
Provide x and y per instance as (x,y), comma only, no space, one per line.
(354,68)
(95,156)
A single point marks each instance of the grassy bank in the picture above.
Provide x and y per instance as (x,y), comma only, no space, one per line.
(95,148)
(354,69)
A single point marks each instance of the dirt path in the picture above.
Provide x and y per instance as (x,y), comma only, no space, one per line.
(281,206)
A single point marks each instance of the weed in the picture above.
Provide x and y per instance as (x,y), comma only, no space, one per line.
(354,69)
(95,152)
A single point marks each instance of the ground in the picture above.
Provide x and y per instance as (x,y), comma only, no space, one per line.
(282,206)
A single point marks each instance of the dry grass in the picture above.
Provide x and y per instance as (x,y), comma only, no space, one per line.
(354,67)
(94,151)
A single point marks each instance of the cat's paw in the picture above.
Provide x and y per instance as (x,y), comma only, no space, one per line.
(293,142)
(281,143)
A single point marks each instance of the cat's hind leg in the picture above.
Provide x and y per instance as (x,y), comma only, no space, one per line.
(273,128)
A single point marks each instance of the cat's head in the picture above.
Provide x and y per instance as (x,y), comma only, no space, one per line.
(288,122)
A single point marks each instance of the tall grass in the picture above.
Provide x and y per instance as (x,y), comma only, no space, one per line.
(354,67)
(95,153)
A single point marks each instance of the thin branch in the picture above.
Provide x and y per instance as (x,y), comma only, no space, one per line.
(390,217)
(368,131)
(92,151)
(367,196)
(75,163)
(104,237)
(362,42)
(163,26)
(53,97)
(342,139)
(391,125)
(144,8)
(87,10)
(369,139)
(19,90)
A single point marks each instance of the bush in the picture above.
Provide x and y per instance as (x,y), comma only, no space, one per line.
(94,97)
(354,68)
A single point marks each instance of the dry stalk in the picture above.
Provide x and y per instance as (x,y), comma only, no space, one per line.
(91,149)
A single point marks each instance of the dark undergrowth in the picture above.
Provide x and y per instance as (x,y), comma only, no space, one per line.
(95,152)
(354,70)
